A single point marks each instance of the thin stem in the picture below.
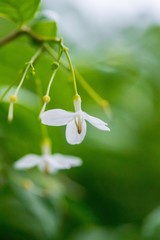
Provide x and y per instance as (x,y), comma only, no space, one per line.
(51,81)
(46,98)
(53,75)
(29,65)
(23,31)
(26,29)
(60,54)
(72,70)
(91,92)
(13,98)
(6,91)
(44,131)
(52,53)
(10,37)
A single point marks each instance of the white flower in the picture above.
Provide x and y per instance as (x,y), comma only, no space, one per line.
(76,121)
(48,163)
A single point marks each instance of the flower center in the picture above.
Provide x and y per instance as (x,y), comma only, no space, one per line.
(45,164)
(78,121)
(46,168)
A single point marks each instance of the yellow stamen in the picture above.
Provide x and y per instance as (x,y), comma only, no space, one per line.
(78,122)
(46,168)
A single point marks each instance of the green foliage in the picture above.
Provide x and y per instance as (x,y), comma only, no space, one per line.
(18,11)
(44,30)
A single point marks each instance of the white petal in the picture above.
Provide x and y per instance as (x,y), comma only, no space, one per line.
(65,162)
(56,117)
(27,161)
(96,122)
(72,135)
(46,164)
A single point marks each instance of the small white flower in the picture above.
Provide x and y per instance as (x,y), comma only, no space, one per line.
(48,163)
(76,121)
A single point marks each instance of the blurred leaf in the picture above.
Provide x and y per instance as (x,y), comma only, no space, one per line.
(94,233)
(151,227)
(44,214)
(44,29)
(81,212)
(8,27)
(18,11)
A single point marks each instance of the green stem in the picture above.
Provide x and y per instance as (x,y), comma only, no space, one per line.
(46,98)
(44,131)
(13,98)
(6,91)
(91,92)
(51,52)
(53,74)
(29,65)
(72,70)
(25,30)
(10,37)
(87,87)
(51,81)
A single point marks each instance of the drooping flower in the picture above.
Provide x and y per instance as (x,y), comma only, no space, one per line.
(76,121)
(47,162)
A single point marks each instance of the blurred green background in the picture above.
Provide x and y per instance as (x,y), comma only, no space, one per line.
(115,195)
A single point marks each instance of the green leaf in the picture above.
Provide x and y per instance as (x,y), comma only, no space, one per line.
(36,204)
(17,10)
(44,29)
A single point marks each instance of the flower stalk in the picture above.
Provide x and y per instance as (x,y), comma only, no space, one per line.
(13,98)
(72,69)
(103,103)
(46,98)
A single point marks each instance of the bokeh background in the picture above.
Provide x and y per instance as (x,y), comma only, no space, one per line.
(115,194)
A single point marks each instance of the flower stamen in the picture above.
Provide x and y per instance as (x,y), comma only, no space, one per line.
(46,168)
(78,122)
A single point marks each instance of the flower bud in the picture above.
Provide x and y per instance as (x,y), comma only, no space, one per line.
(46,98)
(13,99)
